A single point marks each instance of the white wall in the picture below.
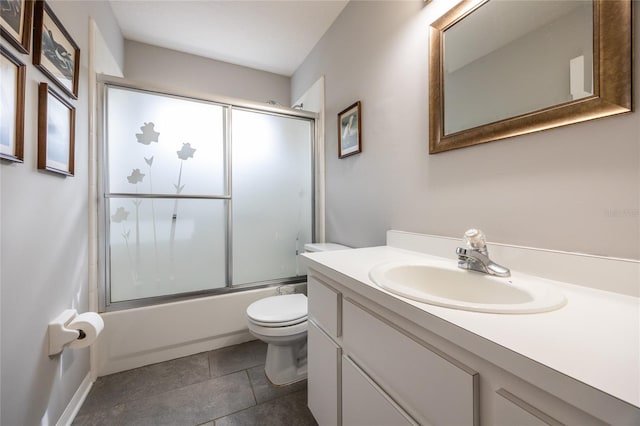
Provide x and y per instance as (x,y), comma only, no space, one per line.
(575,188)
(178,70)
(44,233)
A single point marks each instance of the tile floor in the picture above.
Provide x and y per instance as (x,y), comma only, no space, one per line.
(222,387)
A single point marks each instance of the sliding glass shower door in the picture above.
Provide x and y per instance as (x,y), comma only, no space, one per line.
(200,196)
(272,195)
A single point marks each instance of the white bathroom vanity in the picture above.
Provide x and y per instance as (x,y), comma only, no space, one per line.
(376,358)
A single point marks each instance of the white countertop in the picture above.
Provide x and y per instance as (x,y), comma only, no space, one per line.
(594,338)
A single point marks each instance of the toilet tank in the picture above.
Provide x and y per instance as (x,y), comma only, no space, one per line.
(317,247)
(314,247)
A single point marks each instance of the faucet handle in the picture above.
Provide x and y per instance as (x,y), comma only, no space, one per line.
(475,239)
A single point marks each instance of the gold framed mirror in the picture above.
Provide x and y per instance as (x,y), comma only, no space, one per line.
(486,70)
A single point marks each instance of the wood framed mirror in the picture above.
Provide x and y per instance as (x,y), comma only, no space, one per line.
(497,73)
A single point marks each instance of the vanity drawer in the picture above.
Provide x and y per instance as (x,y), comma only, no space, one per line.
(432,388)
(324,306)
(364,403)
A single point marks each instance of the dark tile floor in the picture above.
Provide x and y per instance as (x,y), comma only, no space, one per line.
(222,387)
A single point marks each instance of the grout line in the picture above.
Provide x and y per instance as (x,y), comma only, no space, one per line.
(143,396)
(243,409)
(156,395)
(253,392)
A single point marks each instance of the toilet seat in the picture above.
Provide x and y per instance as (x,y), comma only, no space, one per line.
(278,324)
(288,332)
(278,311)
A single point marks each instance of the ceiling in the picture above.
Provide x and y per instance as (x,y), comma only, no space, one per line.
(268,35)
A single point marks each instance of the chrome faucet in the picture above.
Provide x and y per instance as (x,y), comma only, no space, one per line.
(475,256)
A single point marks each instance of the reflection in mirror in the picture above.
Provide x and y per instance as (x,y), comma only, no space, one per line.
(499,69)
(498,64)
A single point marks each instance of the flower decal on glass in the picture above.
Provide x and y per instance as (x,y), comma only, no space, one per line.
(135,177)
(120,215)
(148,134)
(186,152)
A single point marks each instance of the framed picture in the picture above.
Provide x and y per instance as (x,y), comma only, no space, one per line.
(54,51)
(12,83)
(56,132)
(349,131)
(15,22)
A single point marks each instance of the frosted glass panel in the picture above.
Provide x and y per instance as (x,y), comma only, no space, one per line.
(172,199)
(153,254)
(272,195)
(164,145)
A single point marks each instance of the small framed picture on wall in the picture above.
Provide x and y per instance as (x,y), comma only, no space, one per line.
(12,83)
(15,23)
(56,132)
(349,131)
(54,51)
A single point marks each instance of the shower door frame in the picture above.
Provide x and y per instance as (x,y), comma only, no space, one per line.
(104,282)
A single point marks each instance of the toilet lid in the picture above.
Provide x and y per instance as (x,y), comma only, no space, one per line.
(278,309)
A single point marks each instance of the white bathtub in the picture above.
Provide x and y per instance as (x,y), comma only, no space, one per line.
(141,336)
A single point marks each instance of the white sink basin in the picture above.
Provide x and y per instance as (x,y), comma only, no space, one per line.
(444,284)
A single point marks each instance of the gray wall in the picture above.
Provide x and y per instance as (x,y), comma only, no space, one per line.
(44,234)
(178,70)
(575,188)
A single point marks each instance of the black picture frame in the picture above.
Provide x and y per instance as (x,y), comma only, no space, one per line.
(15,23)
(350,131)
(56,132)
(54,51)
(12,99)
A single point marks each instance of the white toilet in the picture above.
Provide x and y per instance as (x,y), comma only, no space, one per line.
(281,322)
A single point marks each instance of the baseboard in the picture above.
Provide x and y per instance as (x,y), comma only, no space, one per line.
(163,354)
(74,405)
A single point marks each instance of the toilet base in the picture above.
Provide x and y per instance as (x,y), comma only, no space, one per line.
(286,364)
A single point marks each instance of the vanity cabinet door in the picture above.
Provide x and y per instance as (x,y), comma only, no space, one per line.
(364,403)
(323,363)
(431,386)
(324,306)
